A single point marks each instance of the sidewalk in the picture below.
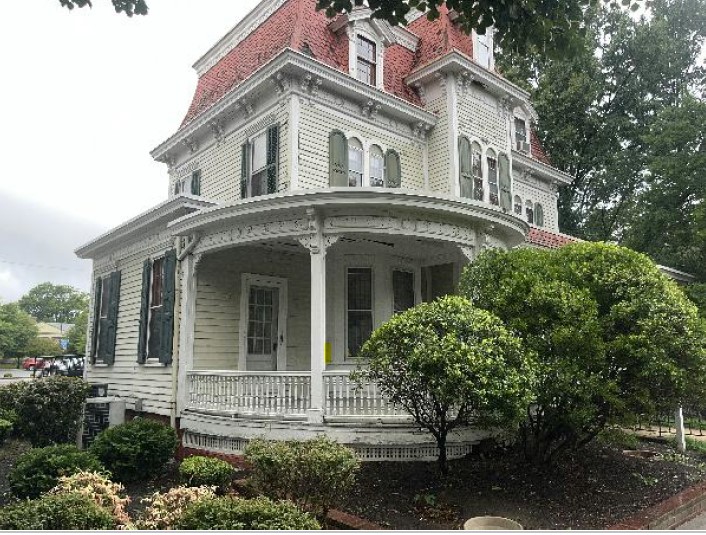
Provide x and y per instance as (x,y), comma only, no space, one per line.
(695,524)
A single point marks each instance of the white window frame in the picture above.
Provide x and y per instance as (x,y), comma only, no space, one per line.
(246,282)
(251,157)
(490,43)
(354,31)
(531,207)
(346,356)
(150,308)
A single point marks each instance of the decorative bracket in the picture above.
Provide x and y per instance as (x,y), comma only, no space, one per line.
(370,109)
(281,83)
(247,106)
(422,92)
(420,130)
(465,81)
(217,130)
(310,84)
(192,144)
(468,252)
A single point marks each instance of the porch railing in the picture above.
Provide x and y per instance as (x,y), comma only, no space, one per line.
(344,397)
(264,393)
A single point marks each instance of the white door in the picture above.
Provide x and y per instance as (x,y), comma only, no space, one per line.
(263,303)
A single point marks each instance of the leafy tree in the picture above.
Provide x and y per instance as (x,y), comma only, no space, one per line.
(54,303)
(17,330)
(697,294)
(613,335)
(449,364)
(554,25)
(77,334)
(39,347)
(129,7)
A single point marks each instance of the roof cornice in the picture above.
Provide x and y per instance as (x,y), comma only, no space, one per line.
(397,35)
(536,167)
(159,215)
(295,62)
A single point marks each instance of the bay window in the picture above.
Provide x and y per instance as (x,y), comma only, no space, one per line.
(493,178)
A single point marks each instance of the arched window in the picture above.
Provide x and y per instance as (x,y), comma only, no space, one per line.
(393,169)
(538,215)
(465,168)
(377,167)
(355,163)
(478,192)
(529,211)
(518,205)
(493,177)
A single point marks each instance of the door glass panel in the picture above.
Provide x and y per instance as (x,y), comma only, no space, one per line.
(262,327)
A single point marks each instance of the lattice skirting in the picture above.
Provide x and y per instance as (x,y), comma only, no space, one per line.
(407,452)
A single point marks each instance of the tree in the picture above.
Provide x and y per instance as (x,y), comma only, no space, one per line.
(129,7)
(54,303)
(40,347)
(17,329)
(613,335)
(449,364)
(554,25)
(77,334)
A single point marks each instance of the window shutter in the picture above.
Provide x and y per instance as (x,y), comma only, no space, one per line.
(96,319)
(466,168)
(505,182)
(144,312)
(272,158)
(111,323)
(196,183)
(393,169)
(167,319)
(338,159)
(538,215)
(244,170)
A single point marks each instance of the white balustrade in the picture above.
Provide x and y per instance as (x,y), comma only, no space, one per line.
(345,397)
(250,393)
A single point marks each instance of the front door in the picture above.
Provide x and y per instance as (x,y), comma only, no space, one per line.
(263,301)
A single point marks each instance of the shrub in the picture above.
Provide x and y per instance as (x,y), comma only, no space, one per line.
(314,474)
(165,509)
(198,471)
(620,439)
(5,430)
(137,449)
(238,514)
(40,469)
(49,411)
(11,395)
(100,490)
(70,512)
(7,375)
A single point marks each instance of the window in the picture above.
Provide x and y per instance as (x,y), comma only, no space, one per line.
(156,301)
(190,185)
(157,309)
(258,176)
(538,215)
(367,61)
(196,183)
(377,167)
(478,192)
(520,134)
(355,163)
(259,168)
(493,178)
(262,320)
(466,168)
(484,48)
(529,211)
(359,313)
(518,206)
(105,318)
(402,290)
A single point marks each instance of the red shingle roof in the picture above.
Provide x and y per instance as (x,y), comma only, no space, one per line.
(537,149)
(439,37)
(551,240)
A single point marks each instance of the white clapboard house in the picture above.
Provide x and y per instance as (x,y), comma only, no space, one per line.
(329,173)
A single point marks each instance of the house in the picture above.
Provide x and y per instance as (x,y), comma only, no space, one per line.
(328,174)
(54,331)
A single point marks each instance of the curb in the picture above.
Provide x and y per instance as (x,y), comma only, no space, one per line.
(351,522)
(670,513)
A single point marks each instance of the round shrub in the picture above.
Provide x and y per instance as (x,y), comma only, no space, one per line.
(198,471)
(135,450)
(70,512)
(238,514)
(164,509)
(38,471)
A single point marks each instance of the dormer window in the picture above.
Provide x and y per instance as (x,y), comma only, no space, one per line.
(367,61)
(484,48)
(521,135)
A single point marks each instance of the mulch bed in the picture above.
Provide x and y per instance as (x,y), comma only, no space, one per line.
(591,490)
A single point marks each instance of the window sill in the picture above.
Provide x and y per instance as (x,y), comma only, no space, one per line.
(153,364)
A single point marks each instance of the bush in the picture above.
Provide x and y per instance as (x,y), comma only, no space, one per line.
(11,396)
(619,439)
(200,471)
(315,474)
(135,450)
(56,512)
(7,375)
(238,514)
(5,430)
(48,411)
(165,509)
(39,470)
(100,490)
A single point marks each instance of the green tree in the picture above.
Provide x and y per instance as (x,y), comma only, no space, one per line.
(449,364)
(39,347)
(129,7)
(54,303)
(77,334)
(17,330)
(613,335)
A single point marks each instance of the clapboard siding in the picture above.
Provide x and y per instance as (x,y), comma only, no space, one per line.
(538,192)
(480,116)
(217,321)
(439,150)
(316,124)
(126,378)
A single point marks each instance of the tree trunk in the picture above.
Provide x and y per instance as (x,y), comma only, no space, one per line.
(441,444)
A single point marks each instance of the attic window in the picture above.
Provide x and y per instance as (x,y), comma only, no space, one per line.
(367,61)
(484,48)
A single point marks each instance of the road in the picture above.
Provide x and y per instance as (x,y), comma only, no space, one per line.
(17,375)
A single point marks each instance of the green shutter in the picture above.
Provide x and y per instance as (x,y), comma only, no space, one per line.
(244,170)
(538,215)
(111,322)
(393,169)
(167,319)
(96,319)
(144,312)
(338,159)
(465,162)
(505,182)
(272,158)
(196,183)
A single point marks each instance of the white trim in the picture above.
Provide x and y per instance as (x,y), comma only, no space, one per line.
(294,124)
(547,172)
(247,280)
(452,114)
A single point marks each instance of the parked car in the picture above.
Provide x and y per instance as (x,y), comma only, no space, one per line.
(33,363)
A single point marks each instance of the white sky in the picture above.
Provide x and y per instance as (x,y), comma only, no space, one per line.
(86,94)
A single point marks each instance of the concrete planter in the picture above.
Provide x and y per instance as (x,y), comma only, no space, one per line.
(484,523)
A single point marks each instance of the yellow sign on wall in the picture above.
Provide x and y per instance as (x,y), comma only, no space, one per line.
(328,353)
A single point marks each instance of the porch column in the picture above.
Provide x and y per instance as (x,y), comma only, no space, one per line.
(186,334)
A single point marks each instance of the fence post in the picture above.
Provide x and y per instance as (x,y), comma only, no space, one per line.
(679,424)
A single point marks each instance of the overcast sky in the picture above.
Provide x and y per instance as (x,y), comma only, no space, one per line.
(86,94)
